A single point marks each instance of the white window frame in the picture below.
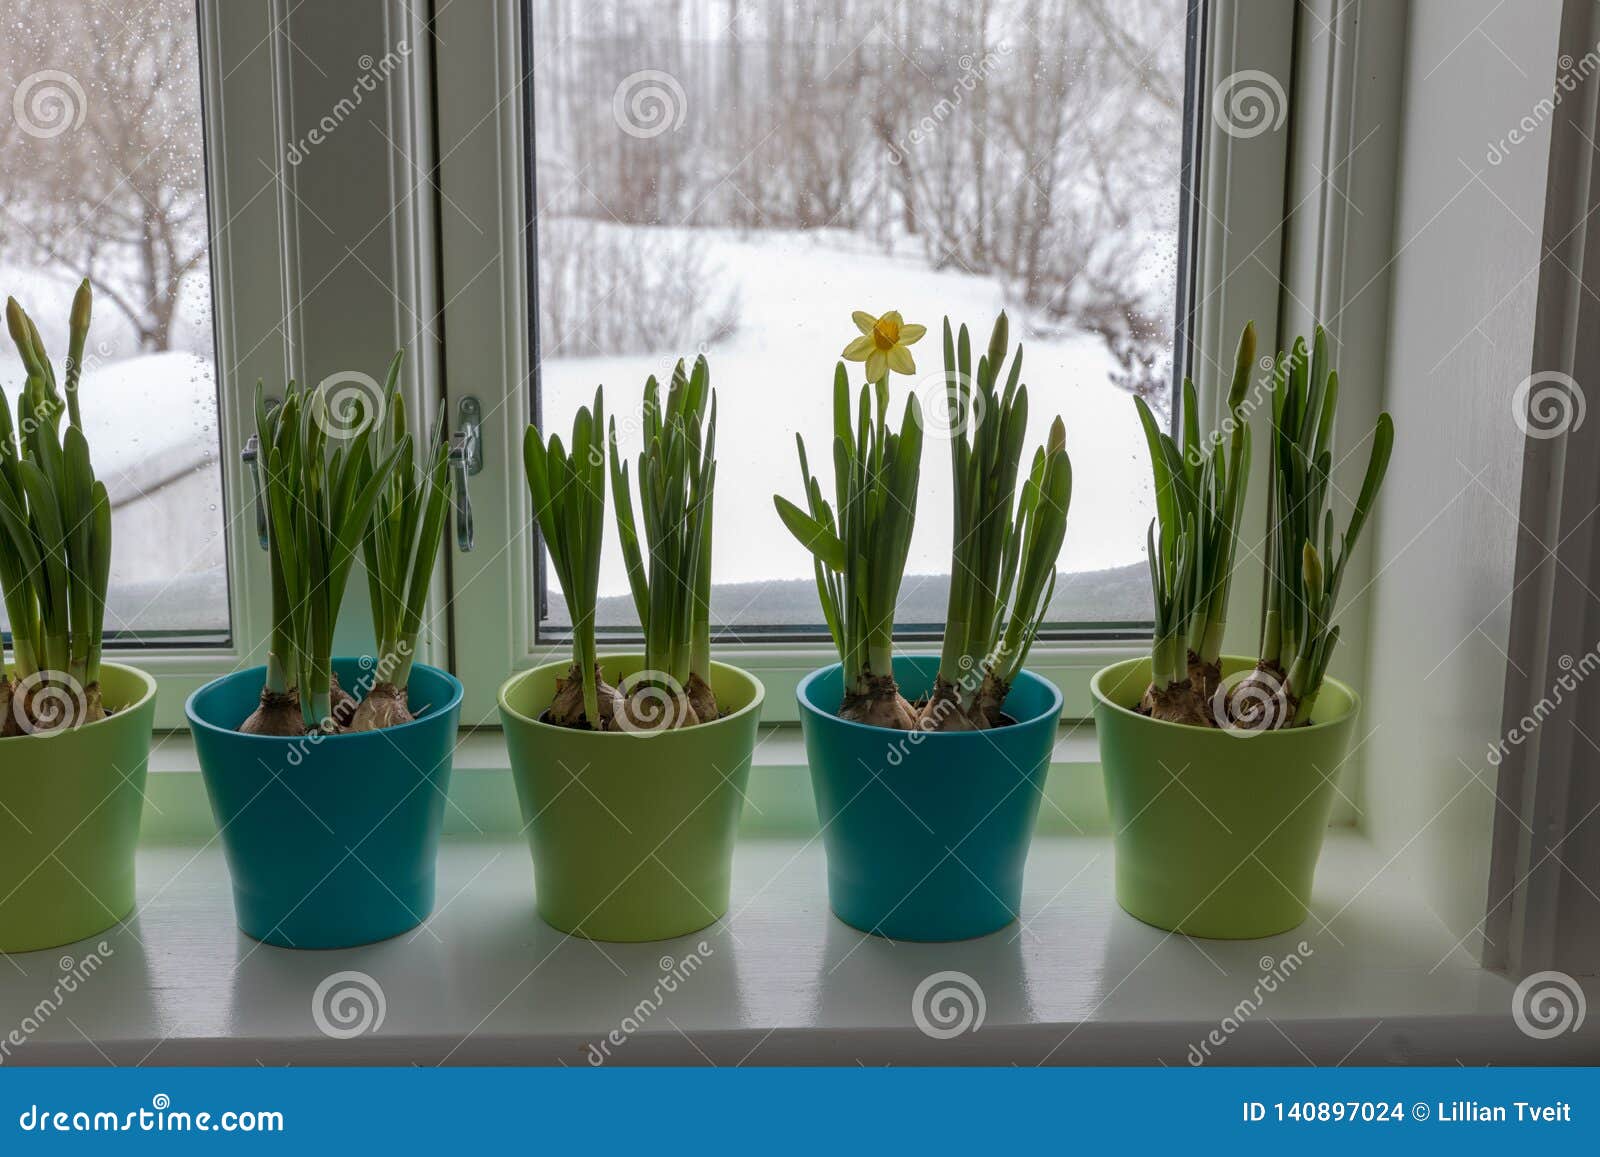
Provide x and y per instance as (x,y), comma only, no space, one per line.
(483,110)
(457,254)
(261,91)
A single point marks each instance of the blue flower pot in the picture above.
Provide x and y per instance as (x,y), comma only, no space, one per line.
(927,833)
(331,840)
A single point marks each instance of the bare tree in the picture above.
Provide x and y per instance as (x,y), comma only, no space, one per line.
(1030,141)
(102,170)
(604,290)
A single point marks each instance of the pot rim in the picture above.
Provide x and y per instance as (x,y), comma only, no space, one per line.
(1053,711)
(127,710)
(698,729)
(457,691)
(1096,689)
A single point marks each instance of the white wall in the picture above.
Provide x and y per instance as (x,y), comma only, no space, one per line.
(1467,240)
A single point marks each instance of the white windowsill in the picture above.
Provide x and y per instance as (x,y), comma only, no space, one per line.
(782,980)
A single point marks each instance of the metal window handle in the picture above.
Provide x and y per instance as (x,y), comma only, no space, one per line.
(251,457)
(466,459)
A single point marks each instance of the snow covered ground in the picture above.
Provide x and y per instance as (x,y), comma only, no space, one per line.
(774,377)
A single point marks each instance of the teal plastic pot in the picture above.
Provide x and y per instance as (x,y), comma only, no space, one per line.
(330,840)
(927,833)
(70,803)
(1217,832)
(632,834)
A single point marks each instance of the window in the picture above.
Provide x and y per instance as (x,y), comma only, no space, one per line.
(734,178)
(102,176)
(618,187)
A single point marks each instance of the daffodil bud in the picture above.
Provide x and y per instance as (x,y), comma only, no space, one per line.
(82,305)
(1311,565)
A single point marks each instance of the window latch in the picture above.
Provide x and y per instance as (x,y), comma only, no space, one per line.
(251,457)
(466,459)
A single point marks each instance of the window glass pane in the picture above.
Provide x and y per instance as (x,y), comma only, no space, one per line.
(102,175)
(734,177)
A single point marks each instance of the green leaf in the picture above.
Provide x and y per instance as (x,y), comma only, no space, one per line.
(1244,360)
(812,535)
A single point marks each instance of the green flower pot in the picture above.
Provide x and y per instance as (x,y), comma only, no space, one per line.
(1217,832)
(70,803)
(632,833)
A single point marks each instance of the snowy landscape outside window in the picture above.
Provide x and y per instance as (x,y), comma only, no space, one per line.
(102,176)
(734,177)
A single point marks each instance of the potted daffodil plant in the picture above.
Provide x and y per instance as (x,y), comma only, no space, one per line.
(1233,853)
(74,727)
(345,760)
(631,768)
(929,769)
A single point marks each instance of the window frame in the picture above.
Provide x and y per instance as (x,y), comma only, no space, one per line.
(464,86)
(254,77)
(484,109)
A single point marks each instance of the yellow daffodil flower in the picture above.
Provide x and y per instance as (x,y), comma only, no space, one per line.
(882,344)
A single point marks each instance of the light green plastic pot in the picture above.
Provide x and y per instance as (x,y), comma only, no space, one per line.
(632,833)
(70,804)
(1217,832)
